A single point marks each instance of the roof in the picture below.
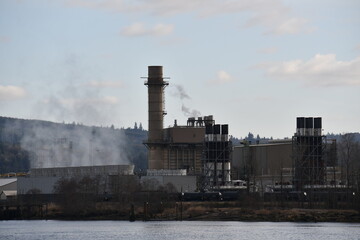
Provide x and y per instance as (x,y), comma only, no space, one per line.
(264,145)
(6,181)
(9,192)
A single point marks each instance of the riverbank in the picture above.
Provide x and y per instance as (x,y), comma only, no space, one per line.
(193,211)
(277,215)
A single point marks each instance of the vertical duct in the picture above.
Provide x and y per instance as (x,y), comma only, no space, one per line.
(225,132)
(300,126)
(317,126)
(217,132)
(309,125)
(156,85)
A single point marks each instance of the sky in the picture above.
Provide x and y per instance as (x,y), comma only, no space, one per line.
(253,64)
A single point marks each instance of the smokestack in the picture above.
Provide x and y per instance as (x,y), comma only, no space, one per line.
(156,85)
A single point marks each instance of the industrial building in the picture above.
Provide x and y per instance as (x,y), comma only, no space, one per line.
(199,147)
(306,161)
(45,179)
(264,164)
(177,178)
(8,184)
(8,188)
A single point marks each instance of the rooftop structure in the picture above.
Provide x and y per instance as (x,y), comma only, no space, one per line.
(82,171)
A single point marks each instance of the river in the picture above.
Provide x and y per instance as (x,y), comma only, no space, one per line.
(186,230)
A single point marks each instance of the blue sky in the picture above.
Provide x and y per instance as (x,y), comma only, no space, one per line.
(254,64)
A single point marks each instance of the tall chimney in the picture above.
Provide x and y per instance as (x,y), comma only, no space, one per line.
(156,85)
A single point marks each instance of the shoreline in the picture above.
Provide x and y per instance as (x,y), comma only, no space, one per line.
(214,214)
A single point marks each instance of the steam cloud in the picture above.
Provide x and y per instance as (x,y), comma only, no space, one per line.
(63,145)
(60,145)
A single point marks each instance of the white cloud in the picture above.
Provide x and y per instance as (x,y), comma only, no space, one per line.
(291,26)
(76,102)
(222,78)
(139,29)
(105,84)
(321,70)
(11,93)
(269,50)
(271,14)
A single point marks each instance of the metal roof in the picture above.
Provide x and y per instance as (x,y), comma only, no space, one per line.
(6,181)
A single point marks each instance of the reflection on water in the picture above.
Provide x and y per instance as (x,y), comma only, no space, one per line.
(84,230)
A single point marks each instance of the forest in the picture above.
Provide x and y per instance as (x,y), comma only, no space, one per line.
(35,143)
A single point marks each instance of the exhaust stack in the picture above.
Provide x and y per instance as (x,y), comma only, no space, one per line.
(156,84)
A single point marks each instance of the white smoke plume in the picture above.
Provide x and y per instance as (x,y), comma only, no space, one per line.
(66,145)
(63,145)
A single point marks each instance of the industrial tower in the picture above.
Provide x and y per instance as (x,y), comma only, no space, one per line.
(156,84)
(308,153)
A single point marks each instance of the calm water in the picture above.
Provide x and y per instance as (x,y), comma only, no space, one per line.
(81,230)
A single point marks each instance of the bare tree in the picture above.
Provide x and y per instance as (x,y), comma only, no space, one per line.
(76,195)
(349,155)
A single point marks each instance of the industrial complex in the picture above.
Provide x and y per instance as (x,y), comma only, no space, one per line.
(198,156)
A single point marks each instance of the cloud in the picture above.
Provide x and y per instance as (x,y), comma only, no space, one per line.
(222,78)
(76,102)
(8,93)
(271,14)
(291,26)
(139,29)
(105,84)
(321,70)
(269,50)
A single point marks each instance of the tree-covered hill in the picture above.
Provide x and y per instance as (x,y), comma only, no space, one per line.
(35,143)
